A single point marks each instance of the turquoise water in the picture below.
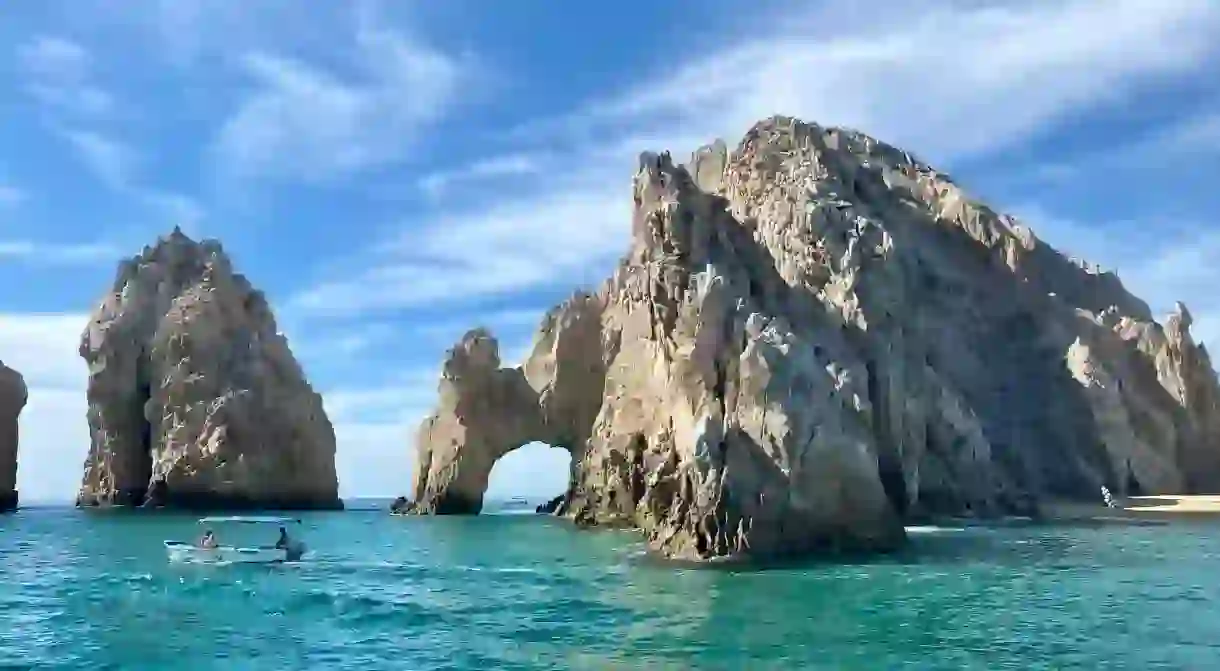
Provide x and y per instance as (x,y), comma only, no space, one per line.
(81,590)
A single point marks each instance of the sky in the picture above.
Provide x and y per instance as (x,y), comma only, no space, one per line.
(391,174)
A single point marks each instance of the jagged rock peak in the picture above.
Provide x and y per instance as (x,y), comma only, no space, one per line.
(195,399)
(13,397)
(815,336)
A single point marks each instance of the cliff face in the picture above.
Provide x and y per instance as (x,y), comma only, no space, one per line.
(815,336)
(195,400)
(13,396)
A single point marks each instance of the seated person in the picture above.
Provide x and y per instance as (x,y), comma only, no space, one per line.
(208,541)
(283,542)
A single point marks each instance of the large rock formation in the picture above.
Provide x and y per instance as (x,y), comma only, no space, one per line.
(195,400)
(814,337)
(13,396)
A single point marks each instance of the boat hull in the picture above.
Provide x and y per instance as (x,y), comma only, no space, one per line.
(190,553)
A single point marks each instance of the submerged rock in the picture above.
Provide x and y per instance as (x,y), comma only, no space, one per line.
(13,397)
(814,337)
(195,400)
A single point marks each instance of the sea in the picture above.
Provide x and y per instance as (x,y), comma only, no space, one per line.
(90,590)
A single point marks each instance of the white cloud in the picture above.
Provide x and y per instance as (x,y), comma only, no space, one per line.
(116,164)
(59,74)
(177,209)
(11,196)
(44,253)
(1162,262)
(946,80)
(375,429)
(561,236)
(54,432)
(305,122)
(43,347)
(1198,133)
(509,165)
(375,459)
(109,160)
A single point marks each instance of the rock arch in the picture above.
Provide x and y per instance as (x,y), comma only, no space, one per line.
(484,413)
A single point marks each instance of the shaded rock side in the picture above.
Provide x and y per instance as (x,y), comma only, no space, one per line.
(815,336)
(195,400)
(13,397)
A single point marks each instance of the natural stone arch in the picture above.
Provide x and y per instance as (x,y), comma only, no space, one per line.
(484,413)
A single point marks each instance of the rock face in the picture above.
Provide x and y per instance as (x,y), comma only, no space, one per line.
(195,400)
(814,337)
(13,396)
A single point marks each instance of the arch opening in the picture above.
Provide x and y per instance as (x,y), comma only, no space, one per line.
(533,477)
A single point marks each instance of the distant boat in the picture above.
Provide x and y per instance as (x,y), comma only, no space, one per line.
(234,554)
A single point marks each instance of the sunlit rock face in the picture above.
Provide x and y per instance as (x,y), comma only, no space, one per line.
(813,337)
(195,400)
(13,397)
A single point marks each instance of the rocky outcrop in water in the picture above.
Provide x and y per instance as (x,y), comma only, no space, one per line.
(552,506)
(195,400)
(814,337)
(13,396)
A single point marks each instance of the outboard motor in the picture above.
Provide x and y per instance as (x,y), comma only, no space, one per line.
(294,551)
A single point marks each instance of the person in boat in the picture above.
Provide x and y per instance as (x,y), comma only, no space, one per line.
(208,540)
(283,543)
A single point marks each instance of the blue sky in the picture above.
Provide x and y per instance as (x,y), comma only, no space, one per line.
(393,173)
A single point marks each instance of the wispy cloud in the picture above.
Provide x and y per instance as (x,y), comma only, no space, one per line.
(117,164)
(309,123)
(109,160)
(44,253)
(1198,134)
(1162,261)
(59,73)
(10,196)
(517,245)
(980,84)
(510,165)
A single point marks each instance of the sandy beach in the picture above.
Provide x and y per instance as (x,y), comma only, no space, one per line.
(1135,509)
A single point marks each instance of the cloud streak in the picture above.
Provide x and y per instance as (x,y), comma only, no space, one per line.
(10,196)
(952,80)
(307,123)
(59,73)
(43,254)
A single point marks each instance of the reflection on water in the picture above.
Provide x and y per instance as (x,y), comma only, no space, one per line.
(82,590)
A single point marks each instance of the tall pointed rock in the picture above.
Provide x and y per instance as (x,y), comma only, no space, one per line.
(195,400)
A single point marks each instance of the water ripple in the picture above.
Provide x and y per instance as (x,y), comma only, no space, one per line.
(520,592)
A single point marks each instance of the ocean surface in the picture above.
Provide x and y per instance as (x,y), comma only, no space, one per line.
(81,590)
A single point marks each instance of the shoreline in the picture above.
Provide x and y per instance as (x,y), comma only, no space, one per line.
(1159,509)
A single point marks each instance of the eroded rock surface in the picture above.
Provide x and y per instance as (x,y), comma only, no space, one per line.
(13,396)
(815,336)
(195,400)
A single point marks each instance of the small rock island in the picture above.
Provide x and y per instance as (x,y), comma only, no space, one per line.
(13,397)
(195,400)
(813,338)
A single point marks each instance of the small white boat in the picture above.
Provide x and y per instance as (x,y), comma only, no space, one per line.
(235,526)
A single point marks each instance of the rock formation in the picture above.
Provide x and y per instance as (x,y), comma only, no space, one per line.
(814,337)
(195,400)
(13,395)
